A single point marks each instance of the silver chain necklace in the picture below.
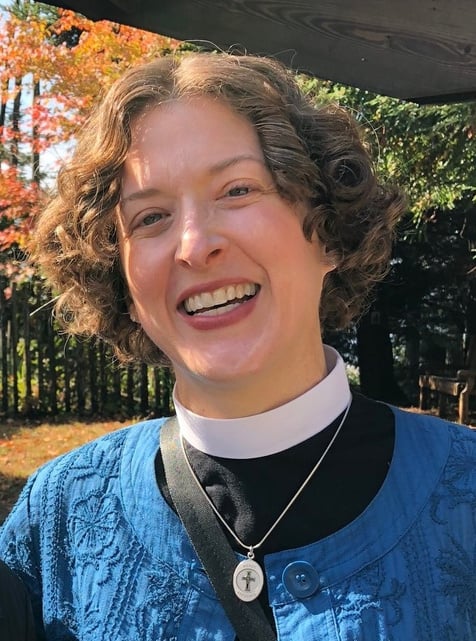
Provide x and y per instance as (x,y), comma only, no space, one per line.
(248,578)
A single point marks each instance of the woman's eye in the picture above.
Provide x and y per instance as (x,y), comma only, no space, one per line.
(239,190)
(150,219)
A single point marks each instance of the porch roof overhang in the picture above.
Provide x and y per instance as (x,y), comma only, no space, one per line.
(422,50)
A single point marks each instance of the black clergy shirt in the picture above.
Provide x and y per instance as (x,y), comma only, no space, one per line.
(250,494)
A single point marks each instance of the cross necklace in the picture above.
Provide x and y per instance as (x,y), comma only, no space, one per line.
(248,577)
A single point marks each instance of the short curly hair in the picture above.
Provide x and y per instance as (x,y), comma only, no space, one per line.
(315,154)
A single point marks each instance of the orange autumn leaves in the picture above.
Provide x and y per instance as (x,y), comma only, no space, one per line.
(74,59)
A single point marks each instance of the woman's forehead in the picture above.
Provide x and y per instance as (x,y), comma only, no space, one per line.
(201,133)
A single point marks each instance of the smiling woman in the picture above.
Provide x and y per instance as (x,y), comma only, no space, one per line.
(214,219)
(312,156)
(203,221)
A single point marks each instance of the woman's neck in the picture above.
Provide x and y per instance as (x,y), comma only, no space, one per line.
(252,394)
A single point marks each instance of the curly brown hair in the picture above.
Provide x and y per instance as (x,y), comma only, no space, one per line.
(315,154)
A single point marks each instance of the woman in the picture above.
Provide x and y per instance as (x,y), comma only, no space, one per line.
(212,218)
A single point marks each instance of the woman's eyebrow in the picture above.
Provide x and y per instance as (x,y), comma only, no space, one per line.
(150,192)
(141,194)
(229,162)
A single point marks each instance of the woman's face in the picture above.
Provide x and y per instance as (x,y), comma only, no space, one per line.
(220,275)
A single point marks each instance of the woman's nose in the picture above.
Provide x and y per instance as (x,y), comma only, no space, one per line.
(199,241)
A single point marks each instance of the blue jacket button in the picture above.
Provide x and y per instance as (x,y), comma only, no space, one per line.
(301,579)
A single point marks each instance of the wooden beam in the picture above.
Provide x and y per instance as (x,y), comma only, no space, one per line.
(421,50)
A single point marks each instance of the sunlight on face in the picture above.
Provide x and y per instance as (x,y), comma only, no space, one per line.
(220,274)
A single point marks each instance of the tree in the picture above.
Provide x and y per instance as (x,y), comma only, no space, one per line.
(430,152)
(53,66)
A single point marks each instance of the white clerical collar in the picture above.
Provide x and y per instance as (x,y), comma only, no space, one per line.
(275,430)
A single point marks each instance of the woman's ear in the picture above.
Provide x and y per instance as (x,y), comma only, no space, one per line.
(328,257)
(133,313)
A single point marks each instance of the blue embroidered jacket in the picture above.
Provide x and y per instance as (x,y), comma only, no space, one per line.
(105,558)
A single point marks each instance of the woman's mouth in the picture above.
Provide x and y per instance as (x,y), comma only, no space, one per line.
(221,300)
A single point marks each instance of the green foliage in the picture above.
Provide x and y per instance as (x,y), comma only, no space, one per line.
(428,299)
(26,9)
(428,150)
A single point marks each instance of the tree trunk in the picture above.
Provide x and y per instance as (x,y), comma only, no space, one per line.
(35,154)
(14,337)
(16,113)
(28,355)
(375,356)
(3,104)
(4,348)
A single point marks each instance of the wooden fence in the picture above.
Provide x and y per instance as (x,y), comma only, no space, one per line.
(44,373)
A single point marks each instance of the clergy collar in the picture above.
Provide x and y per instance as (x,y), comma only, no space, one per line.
(275,430)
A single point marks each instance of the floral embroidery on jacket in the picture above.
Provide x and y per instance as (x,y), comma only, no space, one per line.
(370,600)
(163,606)
(458,483)
(92,525)
(459,579)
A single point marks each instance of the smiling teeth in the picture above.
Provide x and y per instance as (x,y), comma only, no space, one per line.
(221,296)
